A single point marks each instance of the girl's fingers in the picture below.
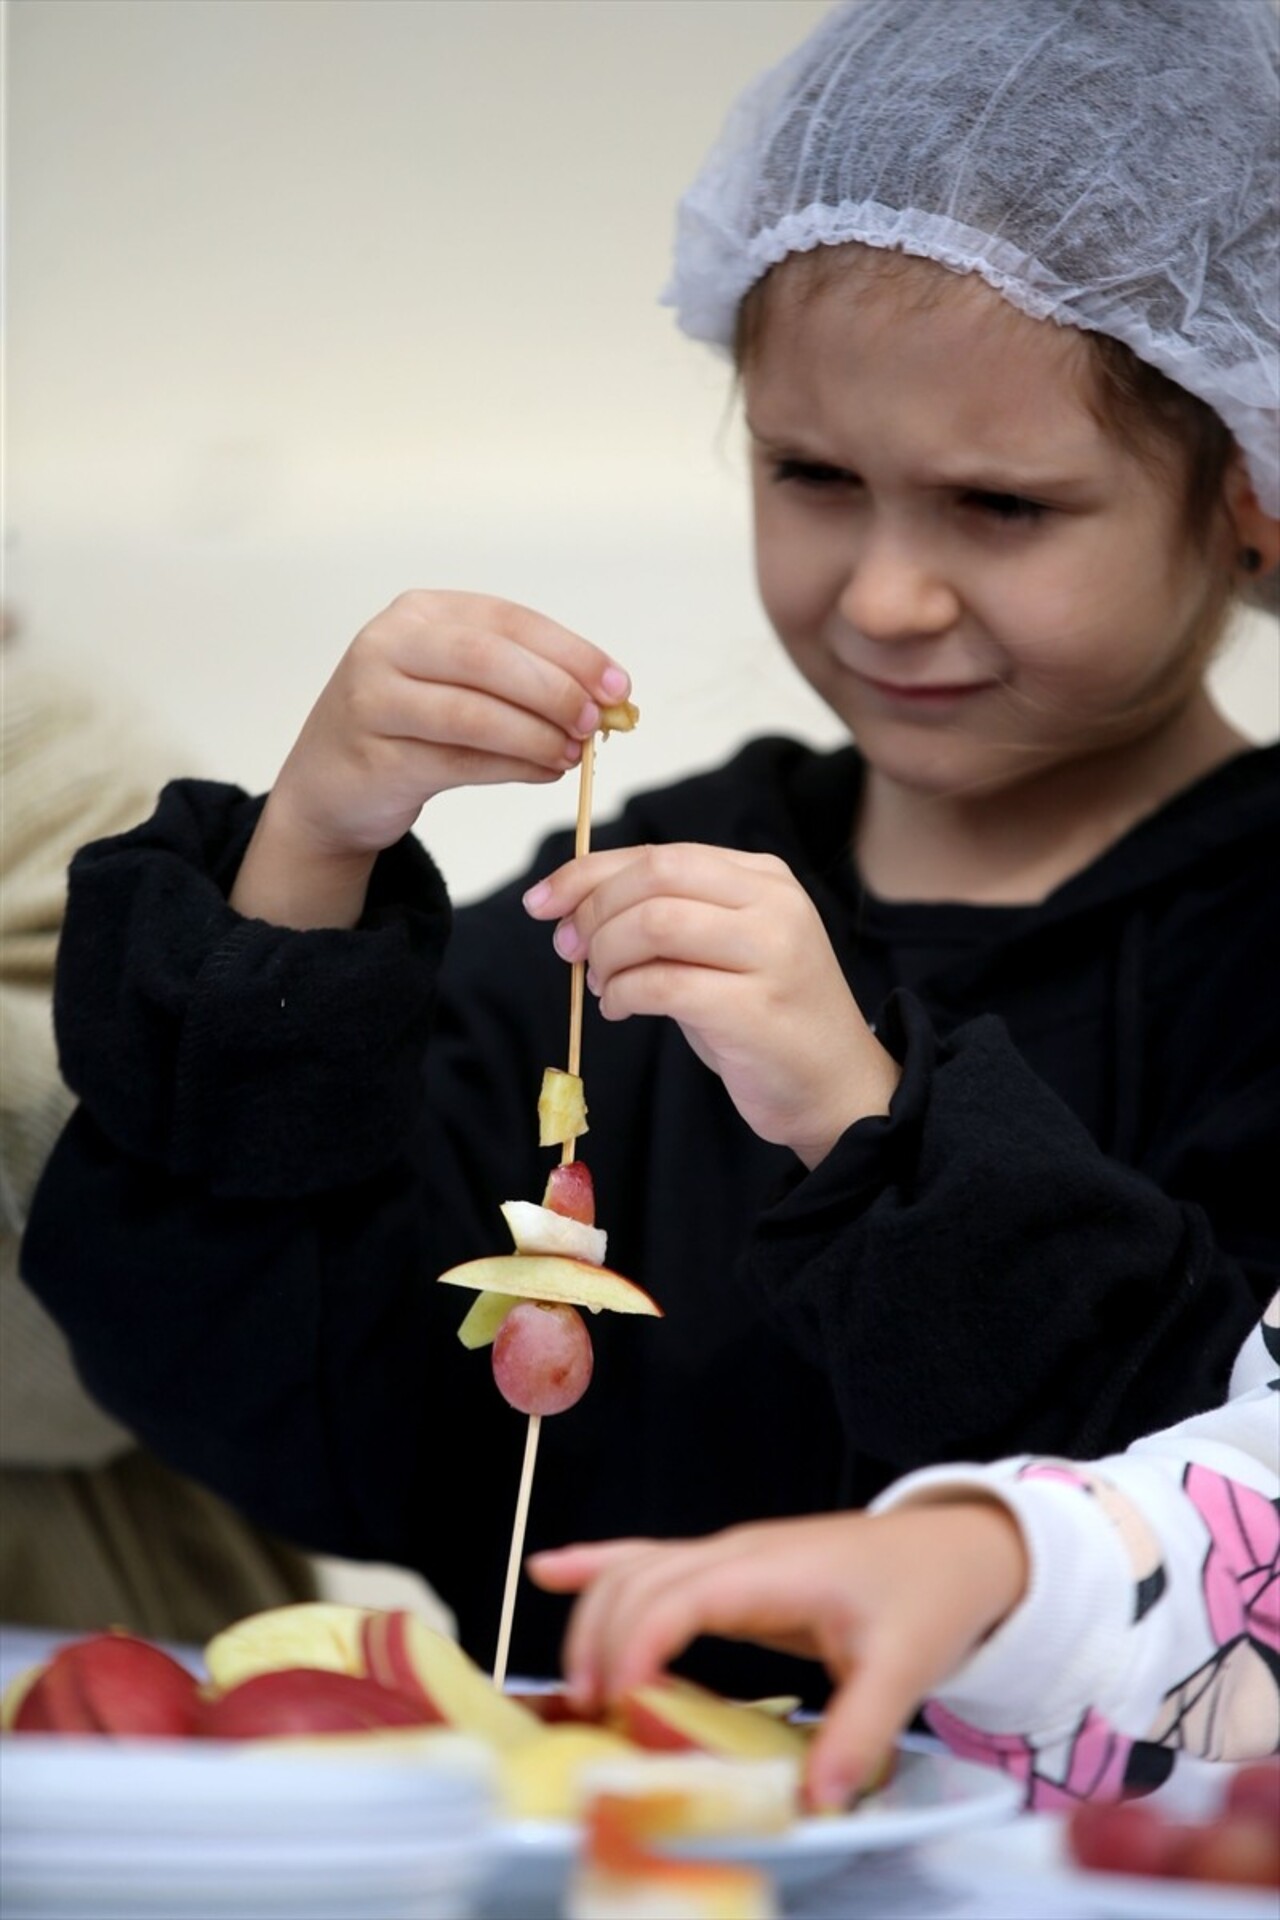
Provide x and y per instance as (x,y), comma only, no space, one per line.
(468,636)
(567,1569)
(456,717)
(859,1727)
(597,886)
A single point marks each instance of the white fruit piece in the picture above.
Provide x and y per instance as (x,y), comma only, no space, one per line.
(546,1276)
(536,1229)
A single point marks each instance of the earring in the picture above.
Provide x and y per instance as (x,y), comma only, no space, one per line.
(1249,560)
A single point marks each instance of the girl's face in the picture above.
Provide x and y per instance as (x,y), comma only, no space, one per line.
(962,563)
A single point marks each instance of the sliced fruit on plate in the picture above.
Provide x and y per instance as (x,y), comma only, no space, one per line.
(307,1700)
(621,1877)
(546,1276)
(107,1683)
(675,1715)
(542,1778)
(403,1652)
(310,1633)
(707,1795)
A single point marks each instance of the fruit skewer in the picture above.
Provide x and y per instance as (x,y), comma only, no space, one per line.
(577,992)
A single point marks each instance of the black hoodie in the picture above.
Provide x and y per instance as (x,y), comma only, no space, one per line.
(1056,1241)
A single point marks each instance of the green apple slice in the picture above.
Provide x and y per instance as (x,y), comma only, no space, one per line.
(546,1276)
(483,1318)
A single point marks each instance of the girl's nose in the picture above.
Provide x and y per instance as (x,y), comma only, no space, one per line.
(894,594)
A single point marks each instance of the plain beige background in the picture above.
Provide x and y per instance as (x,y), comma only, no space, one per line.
(311,301)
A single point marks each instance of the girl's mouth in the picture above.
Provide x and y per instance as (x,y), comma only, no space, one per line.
(925,695)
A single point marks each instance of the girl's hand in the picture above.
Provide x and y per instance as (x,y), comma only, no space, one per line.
(440,690)
(730,947)
(891,1604)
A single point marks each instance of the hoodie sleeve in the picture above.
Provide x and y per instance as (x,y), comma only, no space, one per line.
(1151,1617)
(976,1276)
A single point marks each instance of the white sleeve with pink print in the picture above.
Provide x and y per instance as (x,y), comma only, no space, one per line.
(1152,1614)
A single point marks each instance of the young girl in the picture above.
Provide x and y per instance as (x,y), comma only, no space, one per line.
(1077,1625)
(936,1087)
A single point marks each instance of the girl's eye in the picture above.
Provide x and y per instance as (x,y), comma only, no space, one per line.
(1006,506)
(809,473)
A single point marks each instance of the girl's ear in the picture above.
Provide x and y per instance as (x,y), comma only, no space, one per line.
(1255,532)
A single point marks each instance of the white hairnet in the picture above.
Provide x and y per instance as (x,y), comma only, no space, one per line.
(1110,164)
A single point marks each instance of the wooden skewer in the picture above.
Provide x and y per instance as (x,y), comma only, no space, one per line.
(517,1549)
(578,972)
(577,985)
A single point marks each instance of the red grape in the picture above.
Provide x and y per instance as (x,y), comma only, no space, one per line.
(542,1357)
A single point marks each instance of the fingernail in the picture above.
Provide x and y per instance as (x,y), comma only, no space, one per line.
(567,941)
(593,981)
(538,896)
(572,752)
(615,682)
(588,720)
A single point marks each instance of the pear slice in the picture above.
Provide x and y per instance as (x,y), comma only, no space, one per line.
(547,1276)
(536,1229)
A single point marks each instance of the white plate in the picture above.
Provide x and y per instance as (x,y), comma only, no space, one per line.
(931,1794)
(97,1829)
(1029,1862)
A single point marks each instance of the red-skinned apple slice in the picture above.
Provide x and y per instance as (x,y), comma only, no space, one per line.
(297,1700)
(618,1871)
(428,1668)
(674,1715)
(544,1276)
(110,1683)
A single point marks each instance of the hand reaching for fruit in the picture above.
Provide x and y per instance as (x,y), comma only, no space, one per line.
(730,947)
(858,1592)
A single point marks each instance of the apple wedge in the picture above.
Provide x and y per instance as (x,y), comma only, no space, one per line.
(311,1633)
(307,1700)
(673,1715)
(708,1795)
(109,1683)
(542,1779)
(402,1652)
(620,1874)
(483,1319)
(546,1276)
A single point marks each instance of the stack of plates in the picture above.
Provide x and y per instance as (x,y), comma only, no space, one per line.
(97,1829)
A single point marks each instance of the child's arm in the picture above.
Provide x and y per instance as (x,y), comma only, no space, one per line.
(1081,1610)
(731,947)
(440,690)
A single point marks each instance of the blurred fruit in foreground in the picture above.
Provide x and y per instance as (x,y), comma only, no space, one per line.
(1239,1846)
